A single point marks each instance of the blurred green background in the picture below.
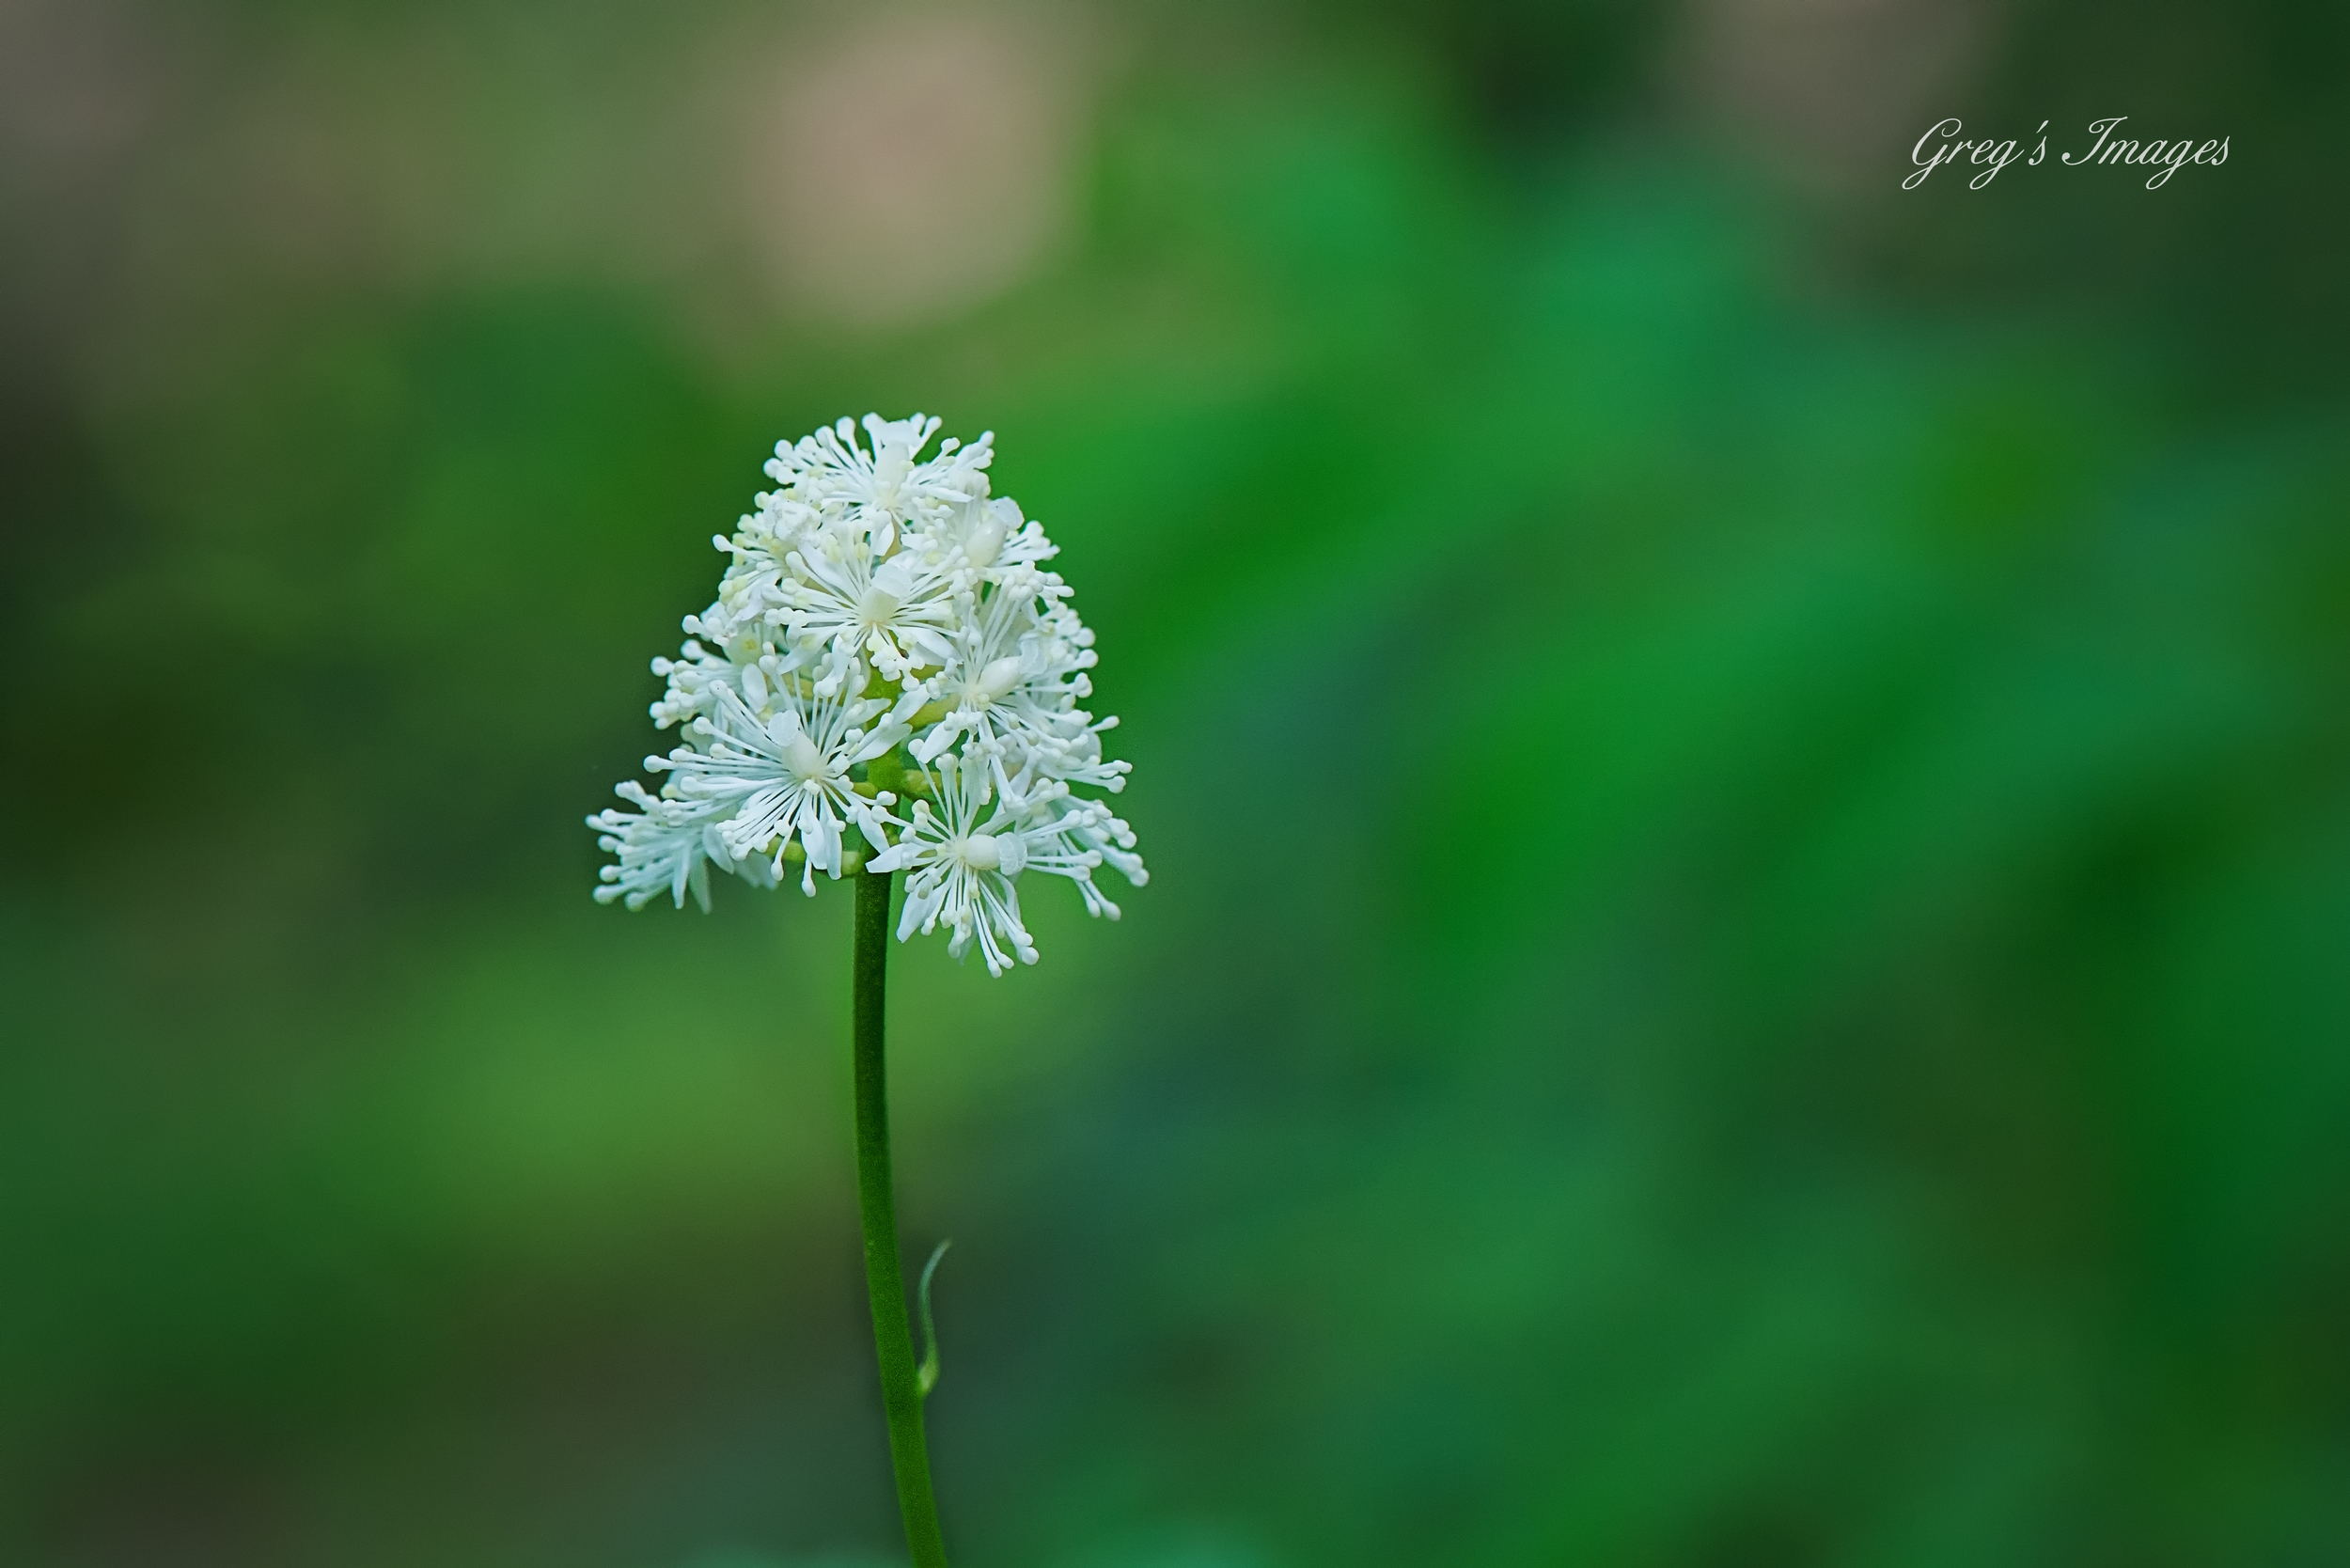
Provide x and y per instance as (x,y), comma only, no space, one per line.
(1749,955)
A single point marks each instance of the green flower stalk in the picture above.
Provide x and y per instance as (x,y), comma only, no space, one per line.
(902,1385)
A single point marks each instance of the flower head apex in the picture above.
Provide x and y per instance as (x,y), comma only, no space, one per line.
(884,622)
(880,487)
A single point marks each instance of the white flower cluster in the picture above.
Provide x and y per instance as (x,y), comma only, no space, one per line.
(885,633)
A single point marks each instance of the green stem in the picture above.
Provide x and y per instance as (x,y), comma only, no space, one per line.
(893,1340)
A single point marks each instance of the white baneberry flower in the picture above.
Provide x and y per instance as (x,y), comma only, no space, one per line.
(1091,834)
(664,846)
(985,537)
(694,680)
(961,868)
(1007,682)
(1072,753)
(880,490)
(751,596)
(894,611)
(783,774)
(882,614)
(965,858)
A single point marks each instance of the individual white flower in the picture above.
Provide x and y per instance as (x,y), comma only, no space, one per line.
(784,775)
(851,604)
(964,857)
(734,629)
(1088,829)
(693,682)
(664,846)
(1071,752)
(985,537)
(1012,685)
(961,868)
(888,486)
(696,680)
(750,595)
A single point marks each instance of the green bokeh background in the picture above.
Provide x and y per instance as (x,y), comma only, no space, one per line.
(1748,952)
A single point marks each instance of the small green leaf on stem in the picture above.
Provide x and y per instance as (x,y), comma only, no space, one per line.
(926,1376)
